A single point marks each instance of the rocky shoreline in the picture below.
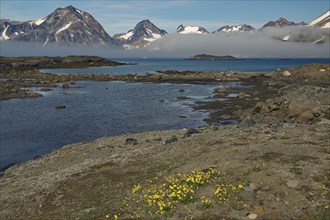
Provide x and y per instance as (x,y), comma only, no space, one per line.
(278,155)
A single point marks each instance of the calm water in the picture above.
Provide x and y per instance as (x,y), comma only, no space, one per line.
(151,65)
(31,127)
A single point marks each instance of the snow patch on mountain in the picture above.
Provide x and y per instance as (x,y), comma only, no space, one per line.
(40,21)
(127,36)
(319,20)
(3,35)
(63,28)
(327,25)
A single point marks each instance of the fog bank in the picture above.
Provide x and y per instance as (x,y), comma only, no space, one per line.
(267,43)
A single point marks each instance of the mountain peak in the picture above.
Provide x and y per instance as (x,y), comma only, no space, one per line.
(70,7)
(191,30)
(237,28)
(179,28)
(68,26)
(143,33)
(281,22)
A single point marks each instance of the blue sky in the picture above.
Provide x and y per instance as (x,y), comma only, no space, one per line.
(120,16)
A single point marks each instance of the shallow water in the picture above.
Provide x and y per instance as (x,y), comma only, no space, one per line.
(31,127)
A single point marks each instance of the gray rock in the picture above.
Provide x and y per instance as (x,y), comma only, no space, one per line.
(247,122)
(305,116)
(45,89)
(190,131)
(260,107)
(324,121)
(131,141)
(59,106)
(241,95)
(253,186)
(182,97)
(65,85)
(171,140)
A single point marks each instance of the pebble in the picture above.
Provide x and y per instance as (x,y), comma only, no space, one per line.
(322,70)
(252,216)
(292,183)
(253,186)
(259,210)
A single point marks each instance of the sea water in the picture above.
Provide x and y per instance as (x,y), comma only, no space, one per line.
(143,66)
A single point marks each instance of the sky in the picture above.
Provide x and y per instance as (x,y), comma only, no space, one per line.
(121,16)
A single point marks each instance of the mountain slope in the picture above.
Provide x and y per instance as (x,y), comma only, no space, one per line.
(65,26)
(321,22)
(142,34)
(191,30)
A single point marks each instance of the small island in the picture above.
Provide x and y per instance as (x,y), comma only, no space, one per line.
(211,57)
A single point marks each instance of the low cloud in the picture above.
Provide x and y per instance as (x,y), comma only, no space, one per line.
(263,44)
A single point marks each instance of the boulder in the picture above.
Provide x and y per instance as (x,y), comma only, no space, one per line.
(241,95)
(190,131)
(65,85)
(260,107)
(305,116)
(59,106)
(182,97)
(286,74)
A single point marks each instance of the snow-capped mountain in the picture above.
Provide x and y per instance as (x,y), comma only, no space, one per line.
(143,33)
(66,26)
(237,28)
(282,22)
(321,22)
(191,30)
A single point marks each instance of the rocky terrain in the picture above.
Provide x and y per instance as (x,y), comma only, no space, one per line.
(273,165)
